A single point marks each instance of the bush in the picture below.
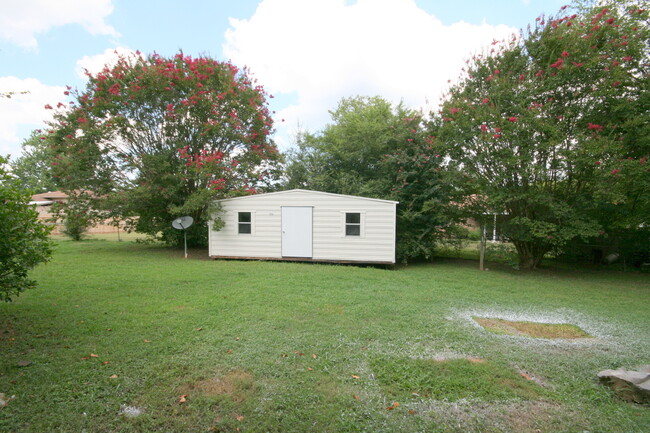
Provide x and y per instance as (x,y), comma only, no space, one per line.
(24,240)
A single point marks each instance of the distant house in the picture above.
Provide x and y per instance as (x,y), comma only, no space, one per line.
(44,202)
(303,225)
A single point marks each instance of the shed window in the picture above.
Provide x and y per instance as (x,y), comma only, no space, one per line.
(244,223)
(352,224)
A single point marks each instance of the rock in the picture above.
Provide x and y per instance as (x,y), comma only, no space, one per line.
(632,386)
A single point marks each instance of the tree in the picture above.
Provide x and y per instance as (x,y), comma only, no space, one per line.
(24,240)
(376,150)
(553,124)
(33,166)
(155,138)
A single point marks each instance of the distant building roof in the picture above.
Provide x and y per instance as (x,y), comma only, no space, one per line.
(50,196)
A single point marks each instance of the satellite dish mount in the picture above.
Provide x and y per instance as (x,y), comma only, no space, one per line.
(183,223)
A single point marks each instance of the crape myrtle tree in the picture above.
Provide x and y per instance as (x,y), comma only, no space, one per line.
(550,129)
(374,149)
(24,240)
(153,138)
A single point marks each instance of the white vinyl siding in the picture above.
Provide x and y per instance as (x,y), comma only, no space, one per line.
(375,243)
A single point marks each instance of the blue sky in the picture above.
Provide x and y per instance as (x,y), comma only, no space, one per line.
(308,53)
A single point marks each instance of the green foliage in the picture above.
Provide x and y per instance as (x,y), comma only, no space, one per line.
(156,138)
(373,149)
(503,253)
(78,213)
(33,166)
(549,128)
(24,241)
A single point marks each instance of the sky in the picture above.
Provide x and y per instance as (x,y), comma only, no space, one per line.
(307,53)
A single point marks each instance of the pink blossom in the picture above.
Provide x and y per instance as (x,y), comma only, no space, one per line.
(48,107)
(513,119)
(594,126)
(565,54)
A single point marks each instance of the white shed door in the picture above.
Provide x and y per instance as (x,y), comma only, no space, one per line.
(296,231)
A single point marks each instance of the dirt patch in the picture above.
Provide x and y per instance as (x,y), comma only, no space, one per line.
(236,384)
(532,329)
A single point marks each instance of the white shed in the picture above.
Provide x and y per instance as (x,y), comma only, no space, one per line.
(306,226)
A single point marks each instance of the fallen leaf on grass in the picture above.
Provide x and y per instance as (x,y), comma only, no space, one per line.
(412,412)
(525,376)
(229,351)
(313,355)
(239,417)
(183,398)
(284,355)
(92,355)
(236,338)
(310,369)
(393,406)
(114,376)
(106,362)
(298,353)
(354,396)
(198,329)
(356,377)
(147,341)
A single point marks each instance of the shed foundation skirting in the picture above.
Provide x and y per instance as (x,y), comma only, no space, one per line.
(301,259)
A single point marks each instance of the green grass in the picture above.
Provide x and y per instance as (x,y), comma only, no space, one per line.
(280,347)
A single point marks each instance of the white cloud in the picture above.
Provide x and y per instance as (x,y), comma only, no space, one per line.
(322,50)
(21,21)
(96,63)
(24,110)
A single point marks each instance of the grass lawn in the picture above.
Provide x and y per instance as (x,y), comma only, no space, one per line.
(117,328)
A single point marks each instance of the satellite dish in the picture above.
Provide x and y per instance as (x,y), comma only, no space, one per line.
(183,222)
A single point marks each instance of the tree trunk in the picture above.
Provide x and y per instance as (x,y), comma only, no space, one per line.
(529,254)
